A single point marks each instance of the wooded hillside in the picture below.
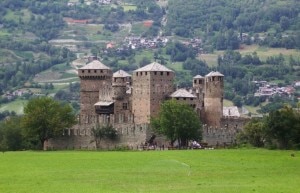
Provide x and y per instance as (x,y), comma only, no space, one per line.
(223,22)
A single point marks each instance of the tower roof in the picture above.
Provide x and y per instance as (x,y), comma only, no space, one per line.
(198,76)
(154,66)
(121,74)
(213,73)
(94,65)
(182,93)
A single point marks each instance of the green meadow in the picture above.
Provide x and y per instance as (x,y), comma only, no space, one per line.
(234,170)
(262,52)
(128,7)
(16,106)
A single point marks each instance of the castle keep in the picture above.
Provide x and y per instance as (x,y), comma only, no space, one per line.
(127,102)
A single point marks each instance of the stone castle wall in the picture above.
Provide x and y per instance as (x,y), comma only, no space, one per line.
(129,135)
(226,134)
(133,135)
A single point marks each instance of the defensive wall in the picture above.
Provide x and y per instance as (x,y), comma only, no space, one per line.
(132,136)
(226,134)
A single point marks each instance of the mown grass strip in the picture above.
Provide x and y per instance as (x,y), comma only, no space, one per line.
(240,170)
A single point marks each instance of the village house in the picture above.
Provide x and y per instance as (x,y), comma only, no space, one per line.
(271,89)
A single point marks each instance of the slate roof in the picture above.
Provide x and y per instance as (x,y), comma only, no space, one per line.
(154,66)
(121,74)
(182,93)
(95,65)
(231,111)
(198,76)
(213,73)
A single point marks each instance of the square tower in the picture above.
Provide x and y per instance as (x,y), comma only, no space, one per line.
(95,80)
(151,84)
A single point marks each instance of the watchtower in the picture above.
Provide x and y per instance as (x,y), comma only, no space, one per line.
(198,84)
(213,98)
(152,84)
(121,97)
(198,91)
(121,80)
(95,78)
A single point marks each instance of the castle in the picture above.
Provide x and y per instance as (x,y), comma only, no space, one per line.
(127,102)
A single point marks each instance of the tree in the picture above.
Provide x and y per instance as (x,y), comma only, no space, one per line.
(103,132)
(177,121)
(144,61)
(284,22)
(237,101)
(253,133)
(10,134)
(284,126)
(46,118)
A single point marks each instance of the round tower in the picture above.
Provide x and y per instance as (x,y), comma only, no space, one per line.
(213,98)
(95,78)
(120,81)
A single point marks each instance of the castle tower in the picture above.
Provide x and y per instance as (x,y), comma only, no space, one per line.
(198,84)
(120,81)
(95,81)
(121,96)
(152,84)
(213,98)
(198,91)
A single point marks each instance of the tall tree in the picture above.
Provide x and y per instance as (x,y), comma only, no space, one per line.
(253,133)
(177,121)
(10,134)
(46,118)
(284,126)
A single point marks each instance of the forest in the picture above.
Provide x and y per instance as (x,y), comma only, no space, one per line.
(222,23)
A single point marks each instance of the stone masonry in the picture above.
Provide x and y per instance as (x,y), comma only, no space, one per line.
(127,102)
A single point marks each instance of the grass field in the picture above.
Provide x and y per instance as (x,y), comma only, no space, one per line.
(227,103)
(17,106)
(8,56)
(23,15)
(138,28)
(242,170)
(129,7)
(262,52)
(4,33)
